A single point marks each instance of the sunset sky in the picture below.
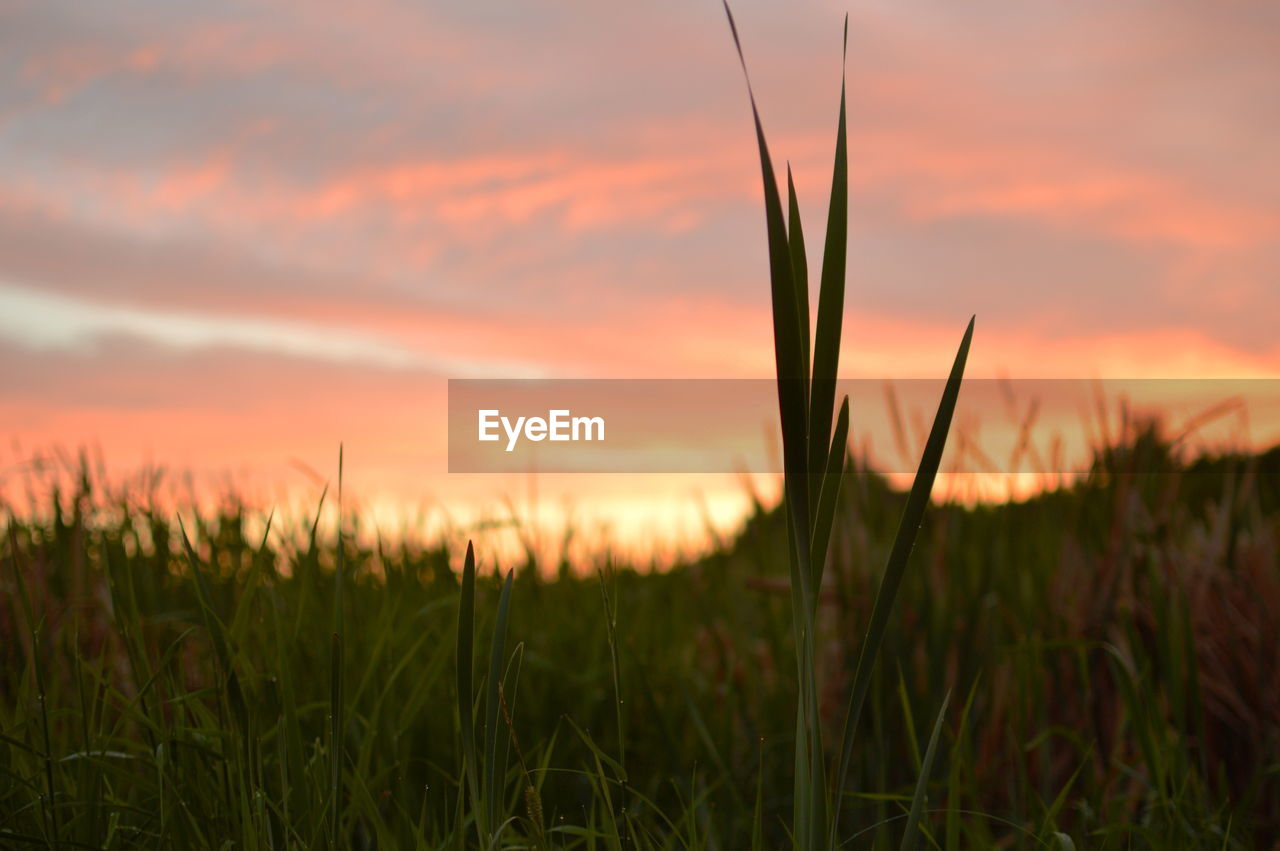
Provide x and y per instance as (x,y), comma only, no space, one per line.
(236,234)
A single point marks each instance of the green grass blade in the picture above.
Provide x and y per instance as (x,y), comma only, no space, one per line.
(315,524)
(494,773)
(336,723)
(335,739)
(904,540)
(799,275)
(912,834)
(826,342)
(789,288)
(824,515)
(908,720)
(338,579)
(291,729)
(465,649)
(788,343)
(615,665)
(959,756)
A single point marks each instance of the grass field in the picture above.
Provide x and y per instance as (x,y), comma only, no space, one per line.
(1112,651)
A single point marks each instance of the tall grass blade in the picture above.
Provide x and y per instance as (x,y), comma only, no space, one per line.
(912,835)
(826,338)
(824,515)
(959,756)
(336,683)
(812,466)
(335,737)
(615,665)
(789,353)
(466,720)
(800,277)
(338,578)
(493,772)
(904,540)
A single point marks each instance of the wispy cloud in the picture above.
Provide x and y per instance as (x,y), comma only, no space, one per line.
(41,321)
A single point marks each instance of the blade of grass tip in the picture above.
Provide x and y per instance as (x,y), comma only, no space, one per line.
(339,565)
(791,355)
(466,721)
(266,532)
(493,773)
(904,540)
(315,524)
(788,353)
(790,368)
(826,343)
(912,834)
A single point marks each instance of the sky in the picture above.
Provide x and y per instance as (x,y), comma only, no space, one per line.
(234,235)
